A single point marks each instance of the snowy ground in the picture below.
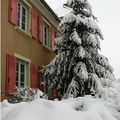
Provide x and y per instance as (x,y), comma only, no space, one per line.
(82,108)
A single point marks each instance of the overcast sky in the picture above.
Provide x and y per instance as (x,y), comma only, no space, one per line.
(108,14)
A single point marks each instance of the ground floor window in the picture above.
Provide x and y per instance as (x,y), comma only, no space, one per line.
(21,73)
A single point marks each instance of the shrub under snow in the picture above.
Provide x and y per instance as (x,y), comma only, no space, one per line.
(26,95)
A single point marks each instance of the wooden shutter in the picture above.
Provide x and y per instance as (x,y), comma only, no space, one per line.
(41,23)
(34,81)
(13,11)
(52,37)
(34,23)
(10,73)
(41,79)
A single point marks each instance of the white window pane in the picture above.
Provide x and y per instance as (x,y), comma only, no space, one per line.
(22,68)
(17,66)
(23,19)
(23,11)
(22,77)
(22,84)
(16,76)
(16,83)
(20,73)
(23,16)
(18,20)
(46,34)
(23,26)
(17,79)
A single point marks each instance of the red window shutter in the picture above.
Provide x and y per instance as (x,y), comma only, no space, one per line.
(10,73)
(34,23)
(13,11)
(52,37)
(41,22)
(41,79)
(34,81)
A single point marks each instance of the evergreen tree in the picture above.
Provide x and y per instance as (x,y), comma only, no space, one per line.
(78,68)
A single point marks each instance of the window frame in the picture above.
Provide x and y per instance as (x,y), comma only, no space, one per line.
(24,4)
(27,61)
(20,62)
(48,34)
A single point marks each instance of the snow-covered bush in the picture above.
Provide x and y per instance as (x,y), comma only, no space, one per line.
(26,95)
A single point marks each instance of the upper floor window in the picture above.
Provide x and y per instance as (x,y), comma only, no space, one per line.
(28,20)
(46,35)
(23,19)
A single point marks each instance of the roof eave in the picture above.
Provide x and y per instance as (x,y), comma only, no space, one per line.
(51,11)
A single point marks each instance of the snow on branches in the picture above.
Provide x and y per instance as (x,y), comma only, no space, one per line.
(79,3)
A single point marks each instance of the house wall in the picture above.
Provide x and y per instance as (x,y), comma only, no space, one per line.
(16,41)
(44,11)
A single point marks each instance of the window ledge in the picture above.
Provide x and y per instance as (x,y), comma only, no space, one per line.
(47,48)
(23,32)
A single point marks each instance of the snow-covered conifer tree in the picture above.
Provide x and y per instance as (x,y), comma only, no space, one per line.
(78,69)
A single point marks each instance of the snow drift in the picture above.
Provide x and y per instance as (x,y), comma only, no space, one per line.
(82,108)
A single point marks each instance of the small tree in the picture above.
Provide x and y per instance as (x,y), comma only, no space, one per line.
(78,69)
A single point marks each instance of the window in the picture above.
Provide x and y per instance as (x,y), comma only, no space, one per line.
(23,19)
(20,73)
(46,35)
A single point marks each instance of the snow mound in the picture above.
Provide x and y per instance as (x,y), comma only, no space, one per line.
(82,108)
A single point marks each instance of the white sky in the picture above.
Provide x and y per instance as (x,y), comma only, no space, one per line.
(108,14)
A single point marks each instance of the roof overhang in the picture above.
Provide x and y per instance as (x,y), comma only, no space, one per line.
(49,9)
